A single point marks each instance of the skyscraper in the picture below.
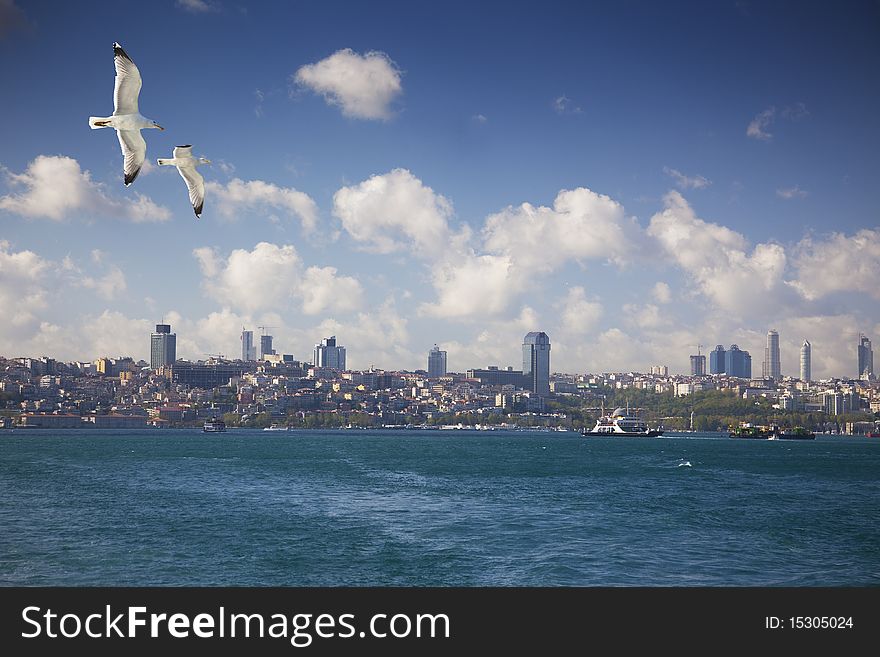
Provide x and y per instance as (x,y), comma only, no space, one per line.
(536,362)
(739,363)
(698,365)
(436,362)
(163,347)
(717,361)
(248,351)
(866,358)
(806,361)
(327,354)
(772,366)
(266,346)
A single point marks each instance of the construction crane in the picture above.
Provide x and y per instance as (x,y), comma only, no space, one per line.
(263,329)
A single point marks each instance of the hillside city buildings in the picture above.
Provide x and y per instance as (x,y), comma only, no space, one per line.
(121,392)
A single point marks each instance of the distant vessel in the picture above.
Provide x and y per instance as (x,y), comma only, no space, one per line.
(796,433)
(621,423)
(772,432)
(748,430)
(277,427)
(214,426)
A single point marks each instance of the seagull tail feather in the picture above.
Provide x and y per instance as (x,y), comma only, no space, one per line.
(162,161)
(96,122)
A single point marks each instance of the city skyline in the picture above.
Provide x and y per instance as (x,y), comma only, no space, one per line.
(631,202)
(535,359)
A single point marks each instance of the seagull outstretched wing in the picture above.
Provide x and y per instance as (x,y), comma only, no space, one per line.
(134,149)
(195,184)
(128,83)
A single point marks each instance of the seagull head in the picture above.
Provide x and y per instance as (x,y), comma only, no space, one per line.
(156,125)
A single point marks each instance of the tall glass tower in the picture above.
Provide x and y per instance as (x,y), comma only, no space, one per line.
(772,365)
(717,361)
(436,363)
(163,347)
(327,354)
(248,351)
(806,361)
(536,362)
(739,363)
(266,346)
(866,358)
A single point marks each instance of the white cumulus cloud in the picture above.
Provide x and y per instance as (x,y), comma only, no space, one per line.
(55,187)
(661,292)
(250,280)
(839,263)
(270,276)
(471,287)
(323,290)
(717,260)
(108,286)
(581,225)
(22,289)
(238,196)
(395,211)
(579,314)
(363,86)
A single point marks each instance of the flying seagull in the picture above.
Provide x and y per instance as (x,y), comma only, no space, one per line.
(186,166)
(126,119)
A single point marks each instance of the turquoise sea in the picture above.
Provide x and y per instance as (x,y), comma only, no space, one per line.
(435,508)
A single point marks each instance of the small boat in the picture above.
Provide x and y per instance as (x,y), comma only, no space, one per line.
(276,427)
(214,426)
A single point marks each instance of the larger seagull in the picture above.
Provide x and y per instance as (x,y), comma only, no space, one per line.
(126,119)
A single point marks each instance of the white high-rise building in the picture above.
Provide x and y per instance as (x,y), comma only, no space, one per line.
(772,363)
(163,347)
(806,361)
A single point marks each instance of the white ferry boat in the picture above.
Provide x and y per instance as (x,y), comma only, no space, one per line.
(214,426)
(621,423)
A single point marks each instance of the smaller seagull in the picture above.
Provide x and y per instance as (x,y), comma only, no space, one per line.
(126,119)
(186,166)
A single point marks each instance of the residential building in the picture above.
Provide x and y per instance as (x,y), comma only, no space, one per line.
(698,365)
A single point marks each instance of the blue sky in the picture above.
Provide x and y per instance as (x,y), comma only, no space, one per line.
(633,178)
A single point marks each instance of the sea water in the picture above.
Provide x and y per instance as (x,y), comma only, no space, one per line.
(160,507)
